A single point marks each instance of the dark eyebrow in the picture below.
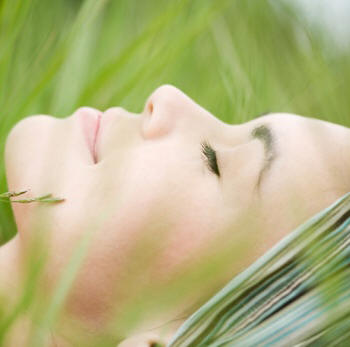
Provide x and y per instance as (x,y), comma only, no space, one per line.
(264,134)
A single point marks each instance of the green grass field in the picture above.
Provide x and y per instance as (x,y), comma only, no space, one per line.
(238,59)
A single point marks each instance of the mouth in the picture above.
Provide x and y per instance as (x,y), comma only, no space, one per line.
(90,121)
(96,133)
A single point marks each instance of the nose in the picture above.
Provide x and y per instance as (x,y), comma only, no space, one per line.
(166,109)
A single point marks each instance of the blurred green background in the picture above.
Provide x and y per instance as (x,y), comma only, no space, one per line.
(236,58)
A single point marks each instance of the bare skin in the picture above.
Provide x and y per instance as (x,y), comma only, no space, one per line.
(173,178)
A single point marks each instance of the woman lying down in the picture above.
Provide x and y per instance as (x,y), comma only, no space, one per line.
(161,209)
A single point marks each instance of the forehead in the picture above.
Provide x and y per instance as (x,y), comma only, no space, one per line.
(306,138)
(296,129)
(309,149)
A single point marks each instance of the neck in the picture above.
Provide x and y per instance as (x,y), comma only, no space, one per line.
(9,261)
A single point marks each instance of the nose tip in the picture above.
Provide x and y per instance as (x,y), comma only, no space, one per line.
(166,95)
(163,110)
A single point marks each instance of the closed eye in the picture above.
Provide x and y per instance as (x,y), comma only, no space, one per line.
(210,158)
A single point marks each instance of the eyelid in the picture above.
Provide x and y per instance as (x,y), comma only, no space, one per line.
(210,158)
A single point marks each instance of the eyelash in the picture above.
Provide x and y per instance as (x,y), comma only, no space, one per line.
(210,158)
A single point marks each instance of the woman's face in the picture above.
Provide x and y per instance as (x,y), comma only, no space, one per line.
(174,178)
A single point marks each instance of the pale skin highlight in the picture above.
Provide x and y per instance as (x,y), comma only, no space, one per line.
(150,165)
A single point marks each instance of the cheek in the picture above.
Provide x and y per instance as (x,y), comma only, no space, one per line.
(179,209)
(195,223)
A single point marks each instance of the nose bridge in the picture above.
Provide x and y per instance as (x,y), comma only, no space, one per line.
(165,109)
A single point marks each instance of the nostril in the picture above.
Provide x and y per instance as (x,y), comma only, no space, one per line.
(150,107)
(160,114)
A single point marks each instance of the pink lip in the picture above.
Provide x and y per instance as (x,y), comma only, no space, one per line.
(91,124)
